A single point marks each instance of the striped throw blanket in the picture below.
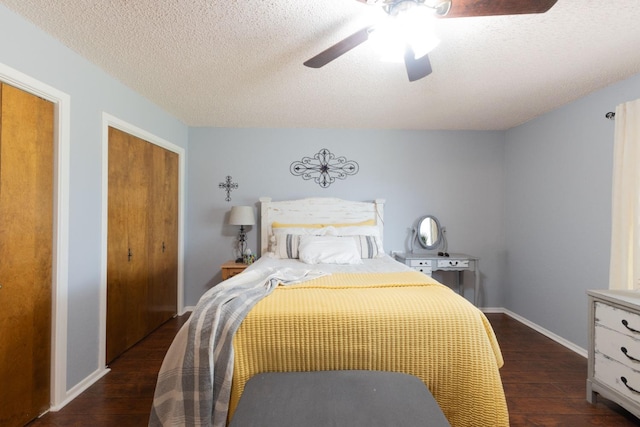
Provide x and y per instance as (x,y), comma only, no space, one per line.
(194,383)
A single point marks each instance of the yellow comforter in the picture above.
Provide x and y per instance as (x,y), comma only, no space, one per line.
(402,322)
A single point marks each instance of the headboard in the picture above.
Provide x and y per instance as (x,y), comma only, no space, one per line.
(318,210)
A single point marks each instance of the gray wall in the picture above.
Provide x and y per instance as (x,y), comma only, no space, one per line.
(558,211)
(457,176)
(27,49)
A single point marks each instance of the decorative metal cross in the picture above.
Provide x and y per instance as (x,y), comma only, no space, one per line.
(324,168)
(227,185)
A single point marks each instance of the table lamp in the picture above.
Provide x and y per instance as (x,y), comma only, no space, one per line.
(242,215)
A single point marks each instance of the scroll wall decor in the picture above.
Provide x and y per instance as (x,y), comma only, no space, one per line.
(324,168)
(228,186)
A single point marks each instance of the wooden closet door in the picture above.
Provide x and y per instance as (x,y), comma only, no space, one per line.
(127,260)
(118,262)
(142,240)
(163,239)
(26,241)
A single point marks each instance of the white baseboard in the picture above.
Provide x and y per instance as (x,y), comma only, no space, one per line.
(493,310)
(566,343)
(80,387)
(76,390)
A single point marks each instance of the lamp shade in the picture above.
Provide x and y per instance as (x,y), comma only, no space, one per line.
(242,215)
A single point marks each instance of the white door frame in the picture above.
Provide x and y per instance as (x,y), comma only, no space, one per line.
(111,121)
(60,264)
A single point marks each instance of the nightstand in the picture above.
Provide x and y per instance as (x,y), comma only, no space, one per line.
(231,268)
(427,263)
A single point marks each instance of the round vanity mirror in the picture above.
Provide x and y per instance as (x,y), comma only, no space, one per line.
(429,232)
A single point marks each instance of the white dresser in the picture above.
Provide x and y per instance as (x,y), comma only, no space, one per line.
(614,348)
(427,263)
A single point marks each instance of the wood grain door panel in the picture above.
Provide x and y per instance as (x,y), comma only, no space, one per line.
(163,240)
(138,230)
(126,243)
(26,244)
(142,235)
(117,248)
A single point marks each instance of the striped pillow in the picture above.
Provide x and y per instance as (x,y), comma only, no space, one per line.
(368,246)
(287,245)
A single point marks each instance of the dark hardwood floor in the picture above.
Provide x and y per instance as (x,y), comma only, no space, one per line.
(123,397)
(544,383)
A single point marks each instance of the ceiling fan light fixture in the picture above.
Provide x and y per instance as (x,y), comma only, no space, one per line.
(408,24)
(393,50)
(443,8)
(422,47)
(436,7)
(419,28)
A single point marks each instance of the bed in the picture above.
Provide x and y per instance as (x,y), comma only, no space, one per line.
(340,309)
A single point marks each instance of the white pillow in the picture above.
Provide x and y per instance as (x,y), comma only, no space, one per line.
(367,239)
(279,236)
(328,250)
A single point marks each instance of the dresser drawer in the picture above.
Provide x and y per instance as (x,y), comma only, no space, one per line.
(614,375)
(453,263)
(618,319)
(615,345)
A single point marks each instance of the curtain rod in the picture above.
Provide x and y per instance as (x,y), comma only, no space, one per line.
(610,115)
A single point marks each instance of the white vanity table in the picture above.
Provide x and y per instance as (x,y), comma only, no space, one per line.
(430,262)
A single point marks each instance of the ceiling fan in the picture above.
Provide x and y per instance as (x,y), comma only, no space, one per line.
(417,63)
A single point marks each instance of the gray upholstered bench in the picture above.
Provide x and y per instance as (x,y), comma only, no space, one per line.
(337,398)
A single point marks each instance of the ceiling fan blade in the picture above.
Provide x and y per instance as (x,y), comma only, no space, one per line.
(460,8)
(339,49)
(417,68)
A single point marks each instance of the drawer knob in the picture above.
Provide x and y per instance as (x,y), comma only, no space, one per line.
(625,352)
(624,381)
(626,325)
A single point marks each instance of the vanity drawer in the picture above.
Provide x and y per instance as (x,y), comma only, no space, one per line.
(615,345)
(453,263)
(420,262)
(425,270)
(618,319)
(614,375)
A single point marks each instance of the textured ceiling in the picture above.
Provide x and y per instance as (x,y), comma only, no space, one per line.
(239,64)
